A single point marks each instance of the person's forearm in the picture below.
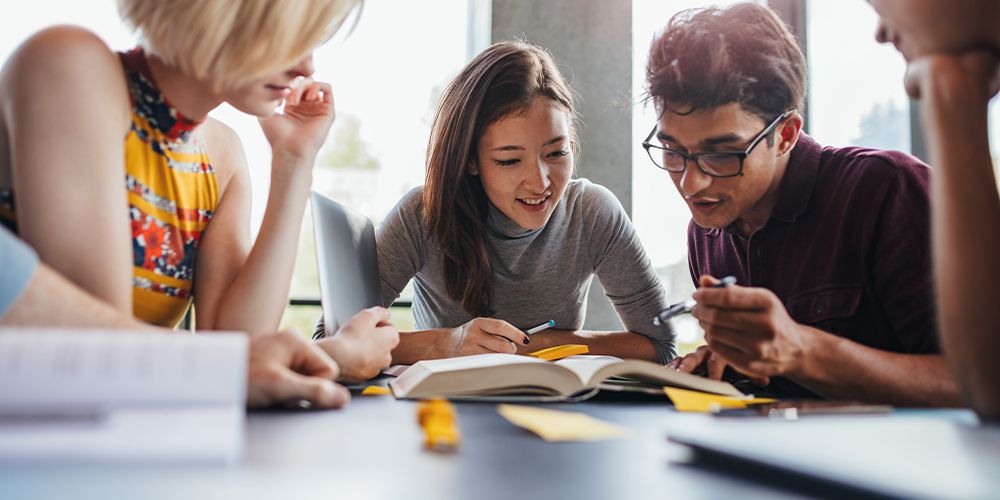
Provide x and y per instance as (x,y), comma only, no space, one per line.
(620,344)
(256,299)
(966,235)
(837,368)
(427,344)
(419,345)
(53,301)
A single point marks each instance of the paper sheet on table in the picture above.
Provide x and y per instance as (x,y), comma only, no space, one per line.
(703,402)
(555,425)
(103,396)
(196,434)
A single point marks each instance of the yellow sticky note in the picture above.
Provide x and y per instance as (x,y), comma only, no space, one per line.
(375,390)
(555,425)
(560,352)
(703,402)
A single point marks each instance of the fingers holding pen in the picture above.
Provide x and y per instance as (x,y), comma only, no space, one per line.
(503,329)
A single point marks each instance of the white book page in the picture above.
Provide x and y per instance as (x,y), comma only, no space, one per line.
(471,374)
(477,361)
(68,369)
(585,366)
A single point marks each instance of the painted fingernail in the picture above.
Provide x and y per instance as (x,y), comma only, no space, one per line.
(526,340)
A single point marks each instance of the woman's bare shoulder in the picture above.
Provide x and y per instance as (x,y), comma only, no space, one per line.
(62,51)
(61,59)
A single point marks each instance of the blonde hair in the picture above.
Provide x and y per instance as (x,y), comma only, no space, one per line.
(227,42)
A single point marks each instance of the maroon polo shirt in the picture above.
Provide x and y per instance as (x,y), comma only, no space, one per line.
(846,249)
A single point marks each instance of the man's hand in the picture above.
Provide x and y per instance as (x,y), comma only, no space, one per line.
(284,367)
(362,346)
(706,363)
(480,336)
(751,330)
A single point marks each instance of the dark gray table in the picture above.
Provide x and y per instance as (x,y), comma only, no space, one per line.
(373,449)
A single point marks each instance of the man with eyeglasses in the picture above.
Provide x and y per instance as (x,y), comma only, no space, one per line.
(829,246)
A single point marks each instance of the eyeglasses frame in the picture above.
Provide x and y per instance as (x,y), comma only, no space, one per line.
(741,155)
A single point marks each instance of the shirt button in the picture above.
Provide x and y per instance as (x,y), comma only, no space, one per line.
(818,308)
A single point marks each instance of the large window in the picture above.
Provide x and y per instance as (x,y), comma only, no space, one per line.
(995,137)
(99,16)
(385,92)
(856,94)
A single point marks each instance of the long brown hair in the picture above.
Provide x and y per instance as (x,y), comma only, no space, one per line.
(501,81)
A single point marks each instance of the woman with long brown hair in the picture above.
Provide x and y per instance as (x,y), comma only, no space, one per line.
(501,238)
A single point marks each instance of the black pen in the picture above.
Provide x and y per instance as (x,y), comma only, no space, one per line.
(686,306)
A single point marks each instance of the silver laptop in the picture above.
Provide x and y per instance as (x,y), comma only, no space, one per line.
(348,261)
(933,454)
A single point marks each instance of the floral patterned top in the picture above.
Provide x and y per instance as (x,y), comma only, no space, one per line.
(172,194)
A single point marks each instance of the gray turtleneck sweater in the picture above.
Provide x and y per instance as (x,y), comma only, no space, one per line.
(537,275)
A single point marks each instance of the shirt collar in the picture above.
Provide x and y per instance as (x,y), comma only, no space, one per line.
(501,226)
(150,103)
(799,180)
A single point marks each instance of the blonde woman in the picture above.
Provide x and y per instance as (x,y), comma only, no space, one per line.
(112,170)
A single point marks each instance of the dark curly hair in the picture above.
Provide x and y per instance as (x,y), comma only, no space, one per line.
(711,57)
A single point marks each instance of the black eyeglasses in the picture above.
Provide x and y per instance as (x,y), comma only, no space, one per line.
(715,163)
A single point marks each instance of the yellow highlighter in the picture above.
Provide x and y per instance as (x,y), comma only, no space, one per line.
(560,352)
(437,418)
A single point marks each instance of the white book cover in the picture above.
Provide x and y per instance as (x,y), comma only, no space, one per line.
(121,396)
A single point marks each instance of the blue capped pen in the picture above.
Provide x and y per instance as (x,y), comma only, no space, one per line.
(548,324)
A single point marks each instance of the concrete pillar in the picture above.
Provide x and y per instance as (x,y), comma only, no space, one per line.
(591,41)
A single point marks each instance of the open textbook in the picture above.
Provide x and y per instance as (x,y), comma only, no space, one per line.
(119,396)
(572,378)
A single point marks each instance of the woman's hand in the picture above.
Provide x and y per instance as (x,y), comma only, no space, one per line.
(480,336)
(297,134)
(363,345)
(974,74)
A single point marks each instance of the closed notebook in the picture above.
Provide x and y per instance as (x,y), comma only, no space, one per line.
(93,396)
(485,375)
